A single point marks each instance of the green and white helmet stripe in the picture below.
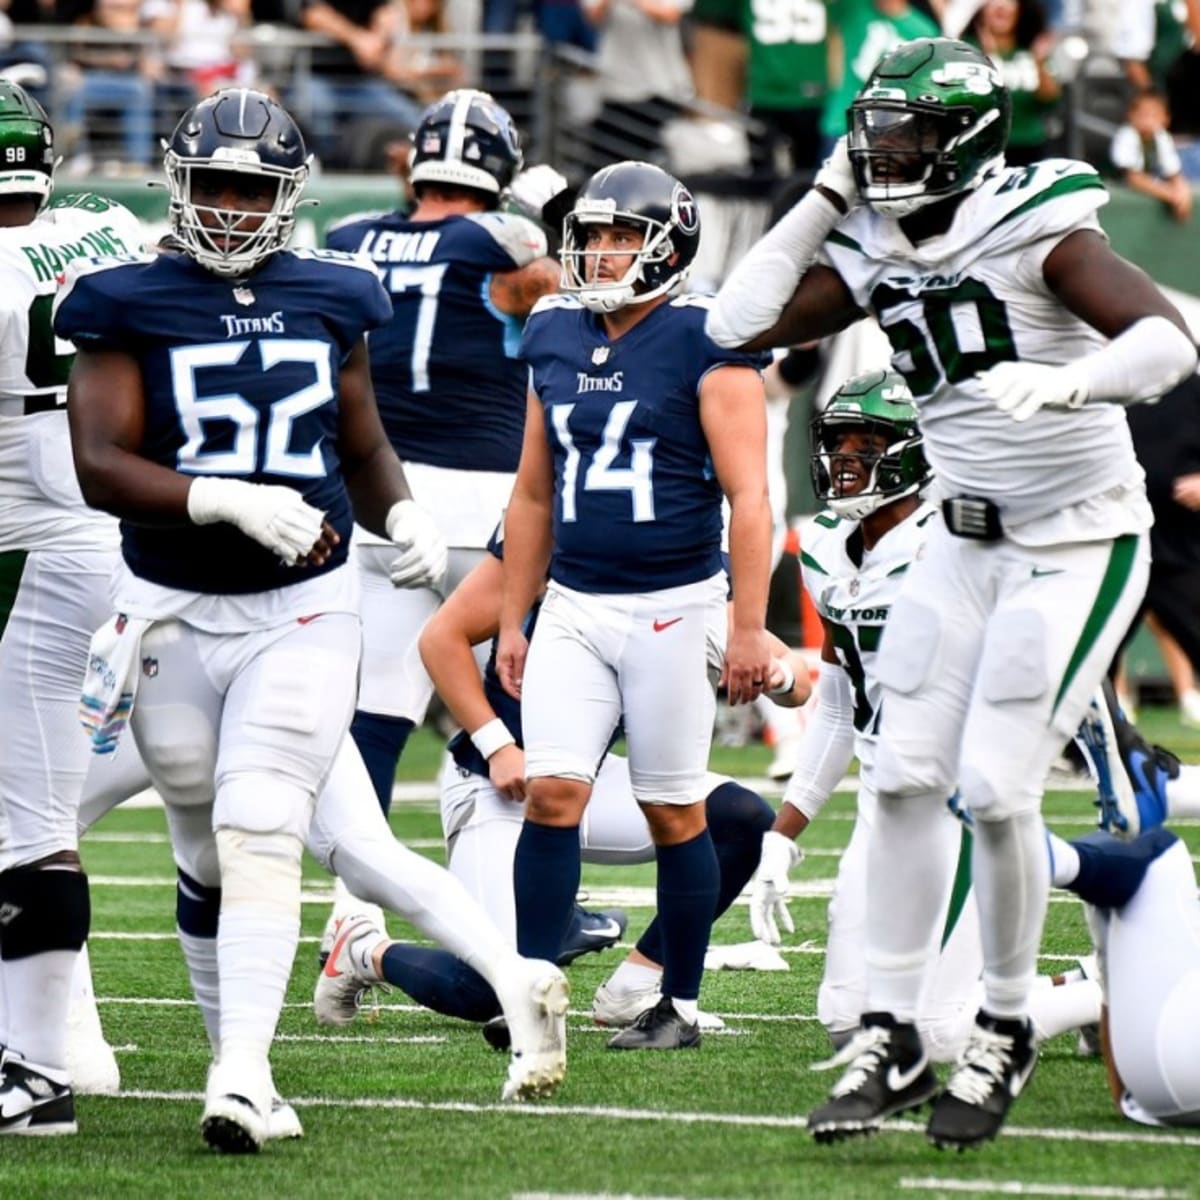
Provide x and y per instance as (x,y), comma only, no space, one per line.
(932,121)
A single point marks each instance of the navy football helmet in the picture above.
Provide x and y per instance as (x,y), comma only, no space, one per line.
(26,146)
(466,139)
(236,131)
(643,196)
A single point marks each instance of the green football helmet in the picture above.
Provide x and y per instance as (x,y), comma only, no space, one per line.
(877,402)
(26,146)
(932,121)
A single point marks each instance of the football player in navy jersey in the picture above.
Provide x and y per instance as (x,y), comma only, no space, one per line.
(462,276)
(636,425)
(481,800)
(221,405)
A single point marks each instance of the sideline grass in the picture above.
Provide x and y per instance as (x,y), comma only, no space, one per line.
(619,1127)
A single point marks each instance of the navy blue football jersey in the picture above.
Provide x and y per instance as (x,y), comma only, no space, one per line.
(637,505)
(241,380)
(450,389)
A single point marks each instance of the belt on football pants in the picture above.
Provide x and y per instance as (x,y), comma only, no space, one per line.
(972,517)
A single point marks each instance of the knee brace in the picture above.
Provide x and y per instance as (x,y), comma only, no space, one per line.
(42,909)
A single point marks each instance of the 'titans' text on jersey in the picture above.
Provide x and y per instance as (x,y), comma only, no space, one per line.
(618,487)
(449,387)
(241,380)
(975,296)
(40,504)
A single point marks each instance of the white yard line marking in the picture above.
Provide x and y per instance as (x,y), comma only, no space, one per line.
(1018,1187)
(764,1121)
(429,1040)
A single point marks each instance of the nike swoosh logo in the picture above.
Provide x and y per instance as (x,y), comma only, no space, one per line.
(612,929)
(659,626)
(898,1080)
(1017,1083)
(1038,572)
(307,620)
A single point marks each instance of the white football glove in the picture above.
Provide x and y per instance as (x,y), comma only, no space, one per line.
(423,558)
(768,901)
(275,517)
(535,187)
(1021,388)
(837,174)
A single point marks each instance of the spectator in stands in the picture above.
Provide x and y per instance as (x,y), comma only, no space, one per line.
(354,79)
(1015,36)
(202,50)
(773,57)
(644,77)
(116,78)
(1144,152)
(866,29)
(425,74)
(1156,41)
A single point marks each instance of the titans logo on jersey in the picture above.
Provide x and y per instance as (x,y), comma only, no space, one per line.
(241,380)
(450,390)
(637,505)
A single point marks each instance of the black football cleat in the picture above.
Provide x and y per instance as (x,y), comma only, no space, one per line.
(658,1028)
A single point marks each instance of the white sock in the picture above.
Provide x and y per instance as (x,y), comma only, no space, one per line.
(689,1010)
(1055,1010)
(1011,871)
(362,954)
(200,954)
(1064,860)
(257,936)
(634,977)
(1183,793)
(38,991)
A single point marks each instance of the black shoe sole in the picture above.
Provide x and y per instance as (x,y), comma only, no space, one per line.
(227,1136)
(827,1135)
(495,1033)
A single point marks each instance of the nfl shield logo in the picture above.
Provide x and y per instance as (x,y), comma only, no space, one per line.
(600,355)
(243,295)
(149,667)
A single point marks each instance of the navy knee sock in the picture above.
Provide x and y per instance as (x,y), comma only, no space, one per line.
(546,870)
(689,880)
(438,980)
(197,907)
(737,820)
(381,741)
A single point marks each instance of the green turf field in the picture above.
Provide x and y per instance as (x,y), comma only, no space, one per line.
(407,1105)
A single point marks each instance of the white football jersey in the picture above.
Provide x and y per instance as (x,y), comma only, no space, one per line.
(853,590)
(40,502)
(959,303)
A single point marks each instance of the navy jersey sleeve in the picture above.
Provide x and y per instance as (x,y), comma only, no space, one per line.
(97,307)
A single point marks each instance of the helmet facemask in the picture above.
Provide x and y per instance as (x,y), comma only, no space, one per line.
(232,241)
(893,472)
(905,156)
(650,274)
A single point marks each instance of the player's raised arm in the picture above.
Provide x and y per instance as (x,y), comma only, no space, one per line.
(528,538)
(775,296)
(733,416)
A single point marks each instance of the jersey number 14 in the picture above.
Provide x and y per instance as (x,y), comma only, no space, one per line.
(600,474)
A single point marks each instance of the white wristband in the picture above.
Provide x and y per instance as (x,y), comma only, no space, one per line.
(491,737)
(789,678)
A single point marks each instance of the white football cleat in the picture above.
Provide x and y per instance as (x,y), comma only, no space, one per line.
(237,1102)
(534,1000)
(282,1122)
(618,1009)
(341,983)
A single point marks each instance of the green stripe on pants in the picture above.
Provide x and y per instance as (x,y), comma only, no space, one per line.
(962,885)
(1116,576)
